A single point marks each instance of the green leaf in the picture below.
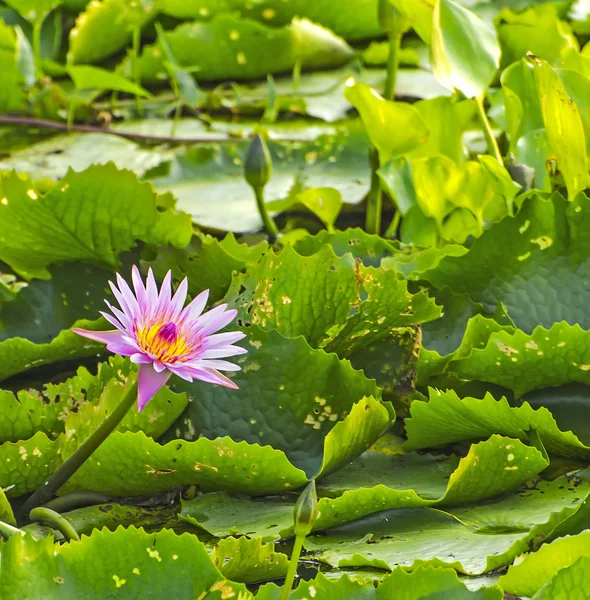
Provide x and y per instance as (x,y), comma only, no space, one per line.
(431,582)
(568,581)
(369,248)
(410,537)
(52,158)
(382,117)
(34,11)
(446,419)
(336,318)
(104,28)
(156,565)
(245,49)
(420,16)
(12,97)
(86,77)
(111,516)
(89,216)
(536,30)
(6,514)
(325,203)
(207,262)
(454,29)
(516,261)
(550,357)
(405,481)
(534,570)
(277,407)
(352,19)
(564,126)
(577,87)
(521,101)
(246,561)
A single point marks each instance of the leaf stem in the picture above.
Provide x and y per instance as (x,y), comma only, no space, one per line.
(37,27)
(9,530)
(395,41)
(77,500)
(267,220)
(375,197)
(391,231)
(55,520)
(491,142)
(48,490)
(293,564)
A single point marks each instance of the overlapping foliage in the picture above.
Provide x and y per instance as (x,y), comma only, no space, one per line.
(434,380)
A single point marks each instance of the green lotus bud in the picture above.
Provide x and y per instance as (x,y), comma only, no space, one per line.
(306,510)
(258,163)
(391,20)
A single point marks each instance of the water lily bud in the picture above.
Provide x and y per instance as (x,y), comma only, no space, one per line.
(306,510)
(258,163)
(391,20)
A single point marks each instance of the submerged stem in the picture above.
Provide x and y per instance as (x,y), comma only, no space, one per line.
(487,131)
(55,520)
(9,530)
(293,564)
(48,490)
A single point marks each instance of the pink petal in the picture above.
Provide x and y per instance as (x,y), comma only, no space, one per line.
(121,349)
(104,337)
(130,299)
(158,366)
(140,359)
(121,316)
(223,352)
(211,376)
(178,300)
(196,307)
(223,339)
(165,294)
(138,287)
(223,365)
(149,382)
(151,292)
(219,322)
(113,321)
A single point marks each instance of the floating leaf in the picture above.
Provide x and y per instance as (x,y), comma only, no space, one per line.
(522,262)
(156,564)
(245,49)
(533,570)
(446,419)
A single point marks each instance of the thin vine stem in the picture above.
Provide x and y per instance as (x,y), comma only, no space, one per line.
(293,564)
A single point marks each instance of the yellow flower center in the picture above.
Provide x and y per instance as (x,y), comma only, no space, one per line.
(164,341)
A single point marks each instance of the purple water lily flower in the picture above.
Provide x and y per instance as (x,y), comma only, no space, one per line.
(164,338)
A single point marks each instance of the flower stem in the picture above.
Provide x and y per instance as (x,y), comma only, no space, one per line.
(487,131)
(48,490)
(293,564)
(395,41)
(269,222)
(375,198)
(55,520)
